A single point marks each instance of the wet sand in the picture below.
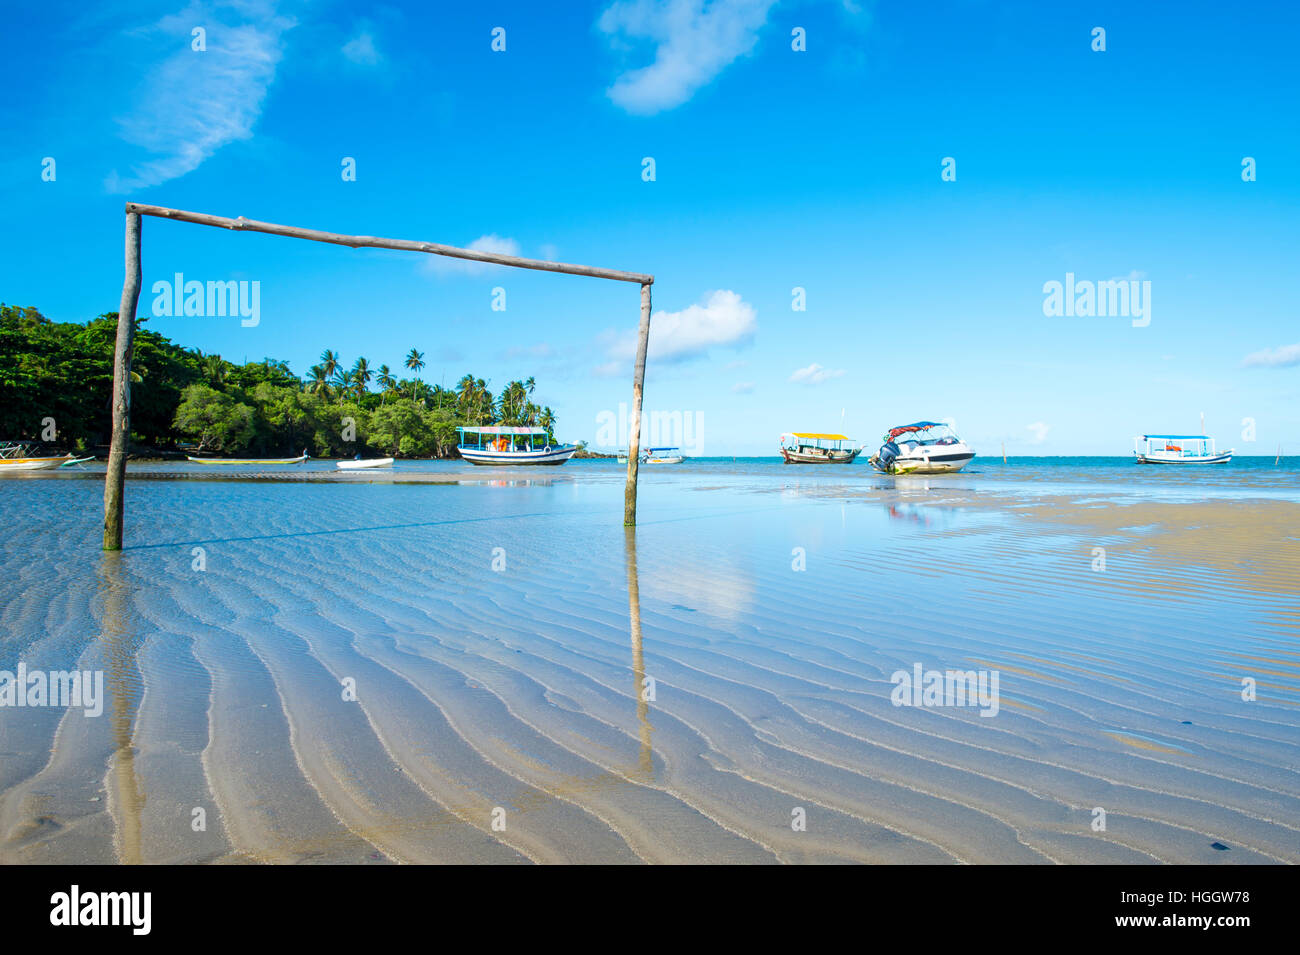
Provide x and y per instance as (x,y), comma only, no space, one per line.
(500,630)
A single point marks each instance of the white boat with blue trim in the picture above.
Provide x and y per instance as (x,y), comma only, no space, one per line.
(512,444)
(1179,449)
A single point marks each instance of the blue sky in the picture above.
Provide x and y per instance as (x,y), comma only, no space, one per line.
(775,169)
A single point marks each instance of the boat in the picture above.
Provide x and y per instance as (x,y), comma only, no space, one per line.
(298,460)
(511,444)
(1178,449)
(811,447)
(359,463)
(17,456)
(662,456)
(923,447)
(71,461)
(655,456)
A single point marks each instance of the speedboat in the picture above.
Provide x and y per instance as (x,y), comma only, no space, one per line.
(811,447)
(509,444)
(1178,449)
(924,447)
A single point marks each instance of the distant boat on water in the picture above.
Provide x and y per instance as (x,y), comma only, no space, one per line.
(361,463)
(813,447)
(1178,449)
(656,456)
(298,460)
(511,444)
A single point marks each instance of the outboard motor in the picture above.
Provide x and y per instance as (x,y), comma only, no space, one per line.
(888,452)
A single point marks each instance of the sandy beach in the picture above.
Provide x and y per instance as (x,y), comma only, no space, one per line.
(475,666)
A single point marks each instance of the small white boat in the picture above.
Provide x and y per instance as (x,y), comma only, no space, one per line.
(34,464)
(810,447)
(511,444)
(298,460)
(71,461)
(662,456)
(16,456)
(925,447)
(656,456)
(1178,449)
(360,463)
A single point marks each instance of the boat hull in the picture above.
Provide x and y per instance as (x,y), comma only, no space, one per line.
(297,460)
(486,456)
(34,464)
(363,465)
(1222,458)
(831,457)
(949,463)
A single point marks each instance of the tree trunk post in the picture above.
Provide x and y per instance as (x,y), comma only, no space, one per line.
(115,479)
(634,437)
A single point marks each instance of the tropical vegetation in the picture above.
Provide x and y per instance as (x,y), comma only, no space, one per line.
(184,399)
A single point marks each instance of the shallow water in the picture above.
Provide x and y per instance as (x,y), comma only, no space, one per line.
(500,633)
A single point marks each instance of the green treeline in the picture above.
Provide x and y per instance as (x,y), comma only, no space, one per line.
(180,396)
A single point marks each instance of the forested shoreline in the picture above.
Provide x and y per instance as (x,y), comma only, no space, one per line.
(184,400)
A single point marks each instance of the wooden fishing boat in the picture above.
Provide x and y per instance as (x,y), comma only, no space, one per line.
(362,463)
(298,460)
(811,447)
(511,444)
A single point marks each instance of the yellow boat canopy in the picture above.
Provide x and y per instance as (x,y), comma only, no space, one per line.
(824,437)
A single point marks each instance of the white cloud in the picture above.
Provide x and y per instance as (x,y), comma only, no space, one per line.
(362,51)
(193,103)
(1039,430)
(693,41)
(1282,357)
(815,374)
(724,319)
(446,265)
(742,387)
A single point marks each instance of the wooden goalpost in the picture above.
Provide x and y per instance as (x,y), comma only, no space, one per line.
(115,480)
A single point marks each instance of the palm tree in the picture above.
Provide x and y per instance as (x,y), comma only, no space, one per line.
(215,369)
(386,381)
(361,375)
(546,419)
(329,360)
(415,361)
(319,383)
(343,381)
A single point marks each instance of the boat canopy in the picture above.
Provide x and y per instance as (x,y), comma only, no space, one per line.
(1176,437)
(910,428)
(820,437)
(503,429)
(661,449)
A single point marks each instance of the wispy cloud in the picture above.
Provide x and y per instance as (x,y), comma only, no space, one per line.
(742,387)
(693,42)
(194,102)
(815,374)
(724,319)
(361,49)
(1038,432)
(444,265)
(1282,357)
